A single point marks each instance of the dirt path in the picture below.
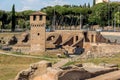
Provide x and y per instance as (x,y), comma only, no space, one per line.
(16,55)
(61,63)
(26,56)
(108,76)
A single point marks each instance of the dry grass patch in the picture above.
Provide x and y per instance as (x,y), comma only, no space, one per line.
(10,66)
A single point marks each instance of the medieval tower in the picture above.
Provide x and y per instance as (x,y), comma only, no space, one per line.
(101,1)
(38,23)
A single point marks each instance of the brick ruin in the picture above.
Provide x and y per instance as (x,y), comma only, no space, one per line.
(44,70)
(68,39)
(37,40)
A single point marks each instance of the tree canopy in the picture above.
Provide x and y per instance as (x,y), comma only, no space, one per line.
(102,14)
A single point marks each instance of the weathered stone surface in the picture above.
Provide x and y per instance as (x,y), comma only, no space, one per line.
(96,70)
(79,65)
(115,75)
(44,71)
(51,74)
(57,74)
(35,70)
(74,74)
(109,65)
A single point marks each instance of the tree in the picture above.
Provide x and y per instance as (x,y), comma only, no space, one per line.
(13,18)
(3,18)
(88,5)
(103,14)
(84,5)
(117,17)
(67,15)
(94,2)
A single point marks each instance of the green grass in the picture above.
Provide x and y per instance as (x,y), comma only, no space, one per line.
(18,53)
(110,60)
(70,63)
(10,65)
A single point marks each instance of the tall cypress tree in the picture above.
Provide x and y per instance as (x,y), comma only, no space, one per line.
(94,2)
(13,18)
(88,5)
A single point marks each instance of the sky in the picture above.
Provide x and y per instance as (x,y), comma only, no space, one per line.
(21,5)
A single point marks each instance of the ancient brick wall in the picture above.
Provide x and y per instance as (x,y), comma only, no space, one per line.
(38,22)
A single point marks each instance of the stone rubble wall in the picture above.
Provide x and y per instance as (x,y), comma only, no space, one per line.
(43,70)
(102,50)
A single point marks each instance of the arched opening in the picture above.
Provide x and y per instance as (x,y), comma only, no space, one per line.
(40,17)
(92,37)
(76,38)
(34,17)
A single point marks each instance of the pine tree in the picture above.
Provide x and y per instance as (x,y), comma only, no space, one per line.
(13,18)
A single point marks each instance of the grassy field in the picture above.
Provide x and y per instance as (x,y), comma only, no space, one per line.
(10,66)
(108,60)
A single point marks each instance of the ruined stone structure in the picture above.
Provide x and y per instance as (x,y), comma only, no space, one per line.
(38,23)
(67,39)
(44,71)
(37,40)
(101,1)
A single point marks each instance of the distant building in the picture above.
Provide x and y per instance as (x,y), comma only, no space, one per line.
(101,1)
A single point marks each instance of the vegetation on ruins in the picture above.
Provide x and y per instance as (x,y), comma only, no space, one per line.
(103,14)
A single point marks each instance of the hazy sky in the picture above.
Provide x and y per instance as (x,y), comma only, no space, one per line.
(21,5)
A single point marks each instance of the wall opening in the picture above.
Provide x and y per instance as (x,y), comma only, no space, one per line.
(38,34)
(34,17)
(40,17)
(86,37)
(76,38)
(92,37)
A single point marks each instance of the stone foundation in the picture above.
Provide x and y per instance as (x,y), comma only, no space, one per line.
(44,71)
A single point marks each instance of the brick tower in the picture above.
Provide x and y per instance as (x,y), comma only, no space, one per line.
(38,23)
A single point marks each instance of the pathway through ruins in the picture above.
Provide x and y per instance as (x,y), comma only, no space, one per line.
(58,64)
(25,56)
(62,62)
